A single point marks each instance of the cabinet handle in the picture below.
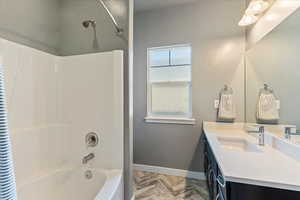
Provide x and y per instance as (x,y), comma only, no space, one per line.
(210,173)
(210,181)
(221,181)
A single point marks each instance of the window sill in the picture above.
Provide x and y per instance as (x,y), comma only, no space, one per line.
(163,120)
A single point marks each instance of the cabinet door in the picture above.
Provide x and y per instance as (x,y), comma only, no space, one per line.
(212,184)
(222,185)
(212,160)
(206,161)
(240,191)
(220,196)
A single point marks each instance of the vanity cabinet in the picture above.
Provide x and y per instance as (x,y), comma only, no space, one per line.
(215,181)
(219,189)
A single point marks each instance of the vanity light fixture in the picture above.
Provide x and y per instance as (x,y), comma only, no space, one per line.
(254,11)
(248,20)
(257,7)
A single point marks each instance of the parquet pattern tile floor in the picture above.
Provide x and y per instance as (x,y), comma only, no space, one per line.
(153,186)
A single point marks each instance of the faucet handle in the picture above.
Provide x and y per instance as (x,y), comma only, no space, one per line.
(91,139)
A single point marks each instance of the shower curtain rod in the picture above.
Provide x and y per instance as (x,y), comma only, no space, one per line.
(119,30)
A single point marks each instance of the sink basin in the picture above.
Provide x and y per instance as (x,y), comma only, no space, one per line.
(290,148)
(238,144)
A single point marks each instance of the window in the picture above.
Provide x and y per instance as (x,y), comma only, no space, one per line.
(169,87)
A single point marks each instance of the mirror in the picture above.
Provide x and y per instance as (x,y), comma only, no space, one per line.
(275,61)
(273,66)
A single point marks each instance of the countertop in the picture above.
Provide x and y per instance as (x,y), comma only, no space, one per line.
(270,168)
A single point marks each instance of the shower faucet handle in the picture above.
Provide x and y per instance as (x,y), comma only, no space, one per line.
(92,139)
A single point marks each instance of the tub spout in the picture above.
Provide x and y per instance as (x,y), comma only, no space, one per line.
(87,158)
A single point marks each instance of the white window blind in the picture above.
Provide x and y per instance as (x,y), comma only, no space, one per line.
(169,82)
(7,179)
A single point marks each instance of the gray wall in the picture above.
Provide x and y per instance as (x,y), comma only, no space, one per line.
(279,68)
(75,39)
(54,26)
(210,26)
(32,22)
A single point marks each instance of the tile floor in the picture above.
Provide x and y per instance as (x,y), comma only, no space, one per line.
(153,186)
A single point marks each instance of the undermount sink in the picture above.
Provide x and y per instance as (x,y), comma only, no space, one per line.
(238,144)
(290,147)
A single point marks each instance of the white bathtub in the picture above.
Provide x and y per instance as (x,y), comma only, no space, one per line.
(67,184)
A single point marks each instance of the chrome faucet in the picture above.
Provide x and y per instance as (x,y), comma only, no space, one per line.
(261,136)
(288,132)
(87,158)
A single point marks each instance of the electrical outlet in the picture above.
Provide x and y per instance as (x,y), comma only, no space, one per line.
(216,104)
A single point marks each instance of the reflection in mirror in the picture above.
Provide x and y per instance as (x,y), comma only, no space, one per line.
(275,61)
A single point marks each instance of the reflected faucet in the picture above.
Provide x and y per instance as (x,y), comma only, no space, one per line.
(261,136)
(87,158)
(289,133)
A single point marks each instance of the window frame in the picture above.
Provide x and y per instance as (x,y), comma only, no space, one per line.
(169,119)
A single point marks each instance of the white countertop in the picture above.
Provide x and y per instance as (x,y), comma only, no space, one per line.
(270,168)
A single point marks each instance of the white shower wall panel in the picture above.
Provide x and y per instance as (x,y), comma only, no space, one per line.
(90,88)
(30,83)
(54,101)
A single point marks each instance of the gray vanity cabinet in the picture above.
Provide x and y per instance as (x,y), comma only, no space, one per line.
(219,189)
(252,192)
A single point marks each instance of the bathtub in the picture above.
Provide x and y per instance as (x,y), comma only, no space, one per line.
(67,184)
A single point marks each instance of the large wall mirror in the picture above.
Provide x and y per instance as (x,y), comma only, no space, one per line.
(273,66)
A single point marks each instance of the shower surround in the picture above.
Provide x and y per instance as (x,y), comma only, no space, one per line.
(53,102)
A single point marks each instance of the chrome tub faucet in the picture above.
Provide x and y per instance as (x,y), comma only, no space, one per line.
(87,158)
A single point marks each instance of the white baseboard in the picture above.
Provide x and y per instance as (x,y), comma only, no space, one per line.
(170,171)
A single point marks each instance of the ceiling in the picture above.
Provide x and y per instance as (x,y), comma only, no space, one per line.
(144,5)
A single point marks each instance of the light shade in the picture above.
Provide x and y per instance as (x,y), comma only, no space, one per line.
(257,7)
(248,20)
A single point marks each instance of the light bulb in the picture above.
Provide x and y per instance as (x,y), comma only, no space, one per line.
(257,7)
(248,20)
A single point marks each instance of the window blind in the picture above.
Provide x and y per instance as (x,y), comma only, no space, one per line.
(7,178)
(169,86)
